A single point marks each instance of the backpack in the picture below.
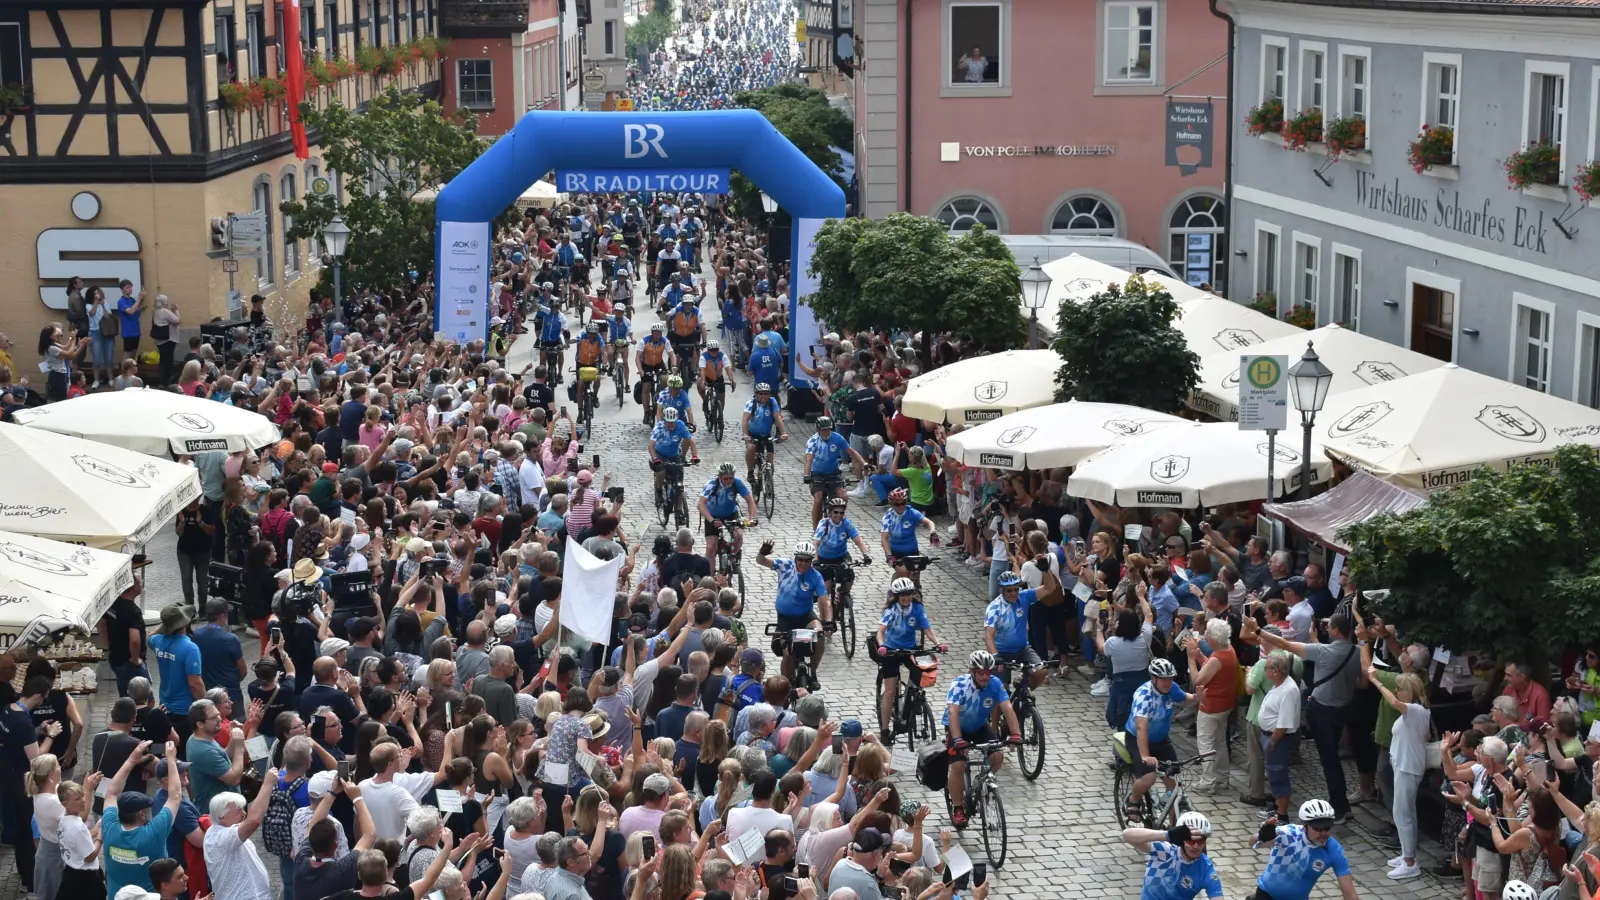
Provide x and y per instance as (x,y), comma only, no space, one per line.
(277,826)
(275,528)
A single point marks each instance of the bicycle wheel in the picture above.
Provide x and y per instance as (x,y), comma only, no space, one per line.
(883,725)
(665,506)
(682,510)
(992,816)
(1121,787)
(769,495)
(1030,754)
(846,617)
(927,733)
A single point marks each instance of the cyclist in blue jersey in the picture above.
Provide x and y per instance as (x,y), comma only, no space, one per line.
(761,415)
(720,500)
(968,710)
(898,530)
(826,452)
(833,536)
(1178,867)
(552,339)
(1149,723)
(903,621)
(619,335)
(800,589)
(674,397)
(1301,854)
(666,443)
(766,363)
(1005,623)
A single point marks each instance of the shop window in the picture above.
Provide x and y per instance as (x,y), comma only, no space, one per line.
(1199,242)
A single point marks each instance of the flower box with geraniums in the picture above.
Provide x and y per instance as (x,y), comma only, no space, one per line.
(1345,135)
(1534,164)
(234,97)
(370,60)
(1301,316)
(1434,146)
(1266,303)
(1586,181)
(266,92)
(1305,128)
(1266,117)
(15,98)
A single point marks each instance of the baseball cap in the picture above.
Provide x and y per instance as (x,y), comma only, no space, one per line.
(321,783)
(1296,584)
(850,728)
(359,627)
(868,840)
(334,646)
(585,477)
(657,784)
(329,468)
(416,545)
(402,448)
(161,771)
(131,803)
(506,624)
(360,542)
(751,655)
(133,891)
(810,710)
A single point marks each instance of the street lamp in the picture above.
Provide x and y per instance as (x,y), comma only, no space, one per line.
(1035,287)
(336,237)
(1308,382)
(768,205)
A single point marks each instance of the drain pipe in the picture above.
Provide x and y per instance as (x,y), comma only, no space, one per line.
(910,4)
(1227,171)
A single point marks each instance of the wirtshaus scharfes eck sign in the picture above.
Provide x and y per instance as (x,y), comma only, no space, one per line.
(1517,225)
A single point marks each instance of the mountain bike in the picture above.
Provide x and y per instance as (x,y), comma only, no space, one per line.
(619,370)
(983,801)
(1030,753)
(649,380)
(730,550)
(673,503)
(910,712)
(716,392)
(841,577)
(1154,810)
(763,483)
(796,644)
(588,396)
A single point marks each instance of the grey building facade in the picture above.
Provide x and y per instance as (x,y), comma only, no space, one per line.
(1450,260)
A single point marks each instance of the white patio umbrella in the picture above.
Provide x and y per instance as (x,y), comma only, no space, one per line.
(1074,279)
(984,388)
(1434,429)
(47,586)
(1051,437)
(154,422)
(1205,465)
(1355,359)
(1211,324)
(541,193)
(70,489)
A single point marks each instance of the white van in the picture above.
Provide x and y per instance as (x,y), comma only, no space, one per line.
(1124,254)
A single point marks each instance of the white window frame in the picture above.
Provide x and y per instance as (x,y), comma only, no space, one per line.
(1562,70)
(1452,286)
(999,88)
(1280,43)
(291,248)
(1105,42)
(1336,284)
(265,274)
(1298,268)
(1594,110)
(1585,369)
(1430,97)
(1277,263)
(1302,79)
(1516,369)
(1344,90)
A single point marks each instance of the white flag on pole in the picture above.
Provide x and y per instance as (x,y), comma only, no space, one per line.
(588,593)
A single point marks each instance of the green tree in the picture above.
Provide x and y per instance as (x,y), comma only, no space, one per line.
(1503,563)
(384,155)
(906,272)
(804,116)
(648,33)
(1120,346)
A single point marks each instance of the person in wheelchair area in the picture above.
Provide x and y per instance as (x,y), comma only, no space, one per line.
(800,590)
(968,710)
(1146,733)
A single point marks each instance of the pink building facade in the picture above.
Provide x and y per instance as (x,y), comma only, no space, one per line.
(505,58)
(1048,116)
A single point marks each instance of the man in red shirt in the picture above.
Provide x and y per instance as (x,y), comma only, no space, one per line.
(1533,699)
(488,524)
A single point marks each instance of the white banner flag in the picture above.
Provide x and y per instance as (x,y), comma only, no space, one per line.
(588,593)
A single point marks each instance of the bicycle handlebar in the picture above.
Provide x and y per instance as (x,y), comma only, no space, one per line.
(1173,768)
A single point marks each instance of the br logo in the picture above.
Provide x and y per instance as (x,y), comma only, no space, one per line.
(639,141)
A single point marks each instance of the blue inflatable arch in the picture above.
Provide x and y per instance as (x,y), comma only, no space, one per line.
(665,149)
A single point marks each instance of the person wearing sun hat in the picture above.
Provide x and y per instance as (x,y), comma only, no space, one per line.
(178,662)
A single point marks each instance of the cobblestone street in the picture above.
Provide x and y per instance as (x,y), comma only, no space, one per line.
(1063,839)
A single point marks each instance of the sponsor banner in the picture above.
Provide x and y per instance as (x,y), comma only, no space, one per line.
(807,330)
(588,181)
(462,301)
(203,445)
(980,415)
(997,461)
(1160,498)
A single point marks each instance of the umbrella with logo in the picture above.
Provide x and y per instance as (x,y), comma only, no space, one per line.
(1055,436)
(1435,429)
(47,586)
(1356,360)
(1205,465)
(984,388)
(154,422)
(70,489)
(1074,279)
(542,194)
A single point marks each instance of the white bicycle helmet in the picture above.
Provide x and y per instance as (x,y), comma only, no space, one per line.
(1196,823)
(1518,890)
(902,586)
(763,388)
(980,659)
(1162,668)
(713,345)
(670,414)
(804,550)
(1312,810)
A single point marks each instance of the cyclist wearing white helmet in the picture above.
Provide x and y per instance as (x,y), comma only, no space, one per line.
(715,371)
(666,444)
(652,358)
(968,710)
(904,621)
(674,397)
(619,334)
(1178,867)
(1518,890)
(1005,622)
(761,415)
(800,589)
(1301,854)
(719,500)
(826,452)
(1149,723)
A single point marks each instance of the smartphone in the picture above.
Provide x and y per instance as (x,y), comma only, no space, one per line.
(274,634)
(791,885)
(898,867)
(572,464)
(649,845)
(980,873)
(802,870)
(595,462)
(344,770)
(838,744)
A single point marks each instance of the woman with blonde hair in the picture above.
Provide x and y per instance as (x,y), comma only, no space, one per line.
(81,878)
(729,775)
(595,820)
(44,775)
(714,745)
(191,381)
(1408,756)
(676,875)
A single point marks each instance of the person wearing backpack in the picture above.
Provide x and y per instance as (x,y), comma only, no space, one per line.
(288,795)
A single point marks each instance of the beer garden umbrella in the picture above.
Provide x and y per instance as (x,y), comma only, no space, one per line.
(1200,466)
(1055,436)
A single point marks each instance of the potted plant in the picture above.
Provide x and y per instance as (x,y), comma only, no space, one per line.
(1304,128)
(272,90)
(1266,117)
(233,96)
(369,60)
(1434,146)
(1266,303)
(1345,135)
(1534,164)
(1301,315)
(15,98)
(1586,181)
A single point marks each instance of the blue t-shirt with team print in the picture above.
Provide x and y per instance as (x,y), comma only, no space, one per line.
(1168,876)
(1295,864)
(1010,621)
(903,624)
(826,456)
(668,439)
(763,416)
(976,704)
(679,403)
(723,502)
(902,530)
(833,541)
(797,592)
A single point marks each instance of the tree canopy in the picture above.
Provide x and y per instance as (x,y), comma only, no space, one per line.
(384,155)
(1120,346)
(804,116)
(1503,563)
(649,32)
(905,272)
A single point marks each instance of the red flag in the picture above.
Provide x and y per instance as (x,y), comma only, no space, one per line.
(294,70)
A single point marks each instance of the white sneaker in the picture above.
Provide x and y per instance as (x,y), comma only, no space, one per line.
(1403,871)
(1396,863)
(859,491)
(1100,688)
(1088,671)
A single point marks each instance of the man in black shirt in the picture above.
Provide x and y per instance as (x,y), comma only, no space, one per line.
(109,749)
(124,631)
(150,721)
(539,392)
(684,563)
(779,862)
(865,407)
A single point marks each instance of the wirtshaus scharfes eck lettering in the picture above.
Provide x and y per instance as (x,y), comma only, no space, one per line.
(1444,210)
